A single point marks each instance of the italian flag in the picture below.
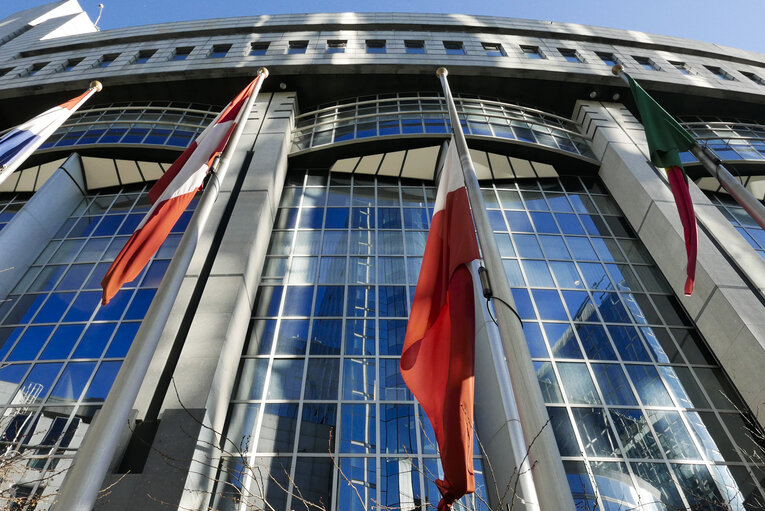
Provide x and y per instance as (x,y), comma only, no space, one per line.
(666,138)
(171,194)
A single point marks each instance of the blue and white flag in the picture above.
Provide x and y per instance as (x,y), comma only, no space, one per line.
(24,139)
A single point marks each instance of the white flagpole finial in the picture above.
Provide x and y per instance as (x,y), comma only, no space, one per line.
(95,84)
(442,71)
(263,71)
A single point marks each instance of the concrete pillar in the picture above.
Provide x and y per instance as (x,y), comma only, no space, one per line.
(727,311)
(30,230)
(219,289)
(219,331)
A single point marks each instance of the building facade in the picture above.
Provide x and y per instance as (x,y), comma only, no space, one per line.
(276,382)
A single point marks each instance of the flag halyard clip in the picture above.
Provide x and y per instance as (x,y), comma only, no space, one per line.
(488,293)
(212,175)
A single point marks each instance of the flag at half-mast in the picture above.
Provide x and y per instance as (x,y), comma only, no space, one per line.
(666,139)
(23,140)
(438,359)
(172,193)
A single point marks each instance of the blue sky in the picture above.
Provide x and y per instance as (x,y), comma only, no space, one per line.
(736,23)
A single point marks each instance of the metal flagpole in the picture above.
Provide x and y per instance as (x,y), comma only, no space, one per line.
(538,439)
(84,479)
(716,169)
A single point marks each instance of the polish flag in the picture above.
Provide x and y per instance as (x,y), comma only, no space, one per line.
(438,359)
(171,194)
(23,140)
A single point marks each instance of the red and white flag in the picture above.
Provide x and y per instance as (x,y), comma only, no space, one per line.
(171,194)
(438,359)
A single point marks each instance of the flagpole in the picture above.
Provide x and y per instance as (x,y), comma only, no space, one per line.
(716,169)
(85,477)
(540,449)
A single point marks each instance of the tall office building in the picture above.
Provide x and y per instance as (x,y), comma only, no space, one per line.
(276,381)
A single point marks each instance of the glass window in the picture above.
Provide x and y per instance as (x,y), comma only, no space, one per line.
(182,53)
(375,46)
(144,56)
(259,48)
(647,63)
(570,55)
(107,60)
(494,49)
(36,68)
(608,58)
(532,52)
(720,73)
(219,51)
(296,47)
(414,46)
(71,63)
(454,48)
(753,77)
(681,66)
(336,46)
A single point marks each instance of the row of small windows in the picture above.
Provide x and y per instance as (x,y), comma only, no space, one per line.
(380,46)
(649,65)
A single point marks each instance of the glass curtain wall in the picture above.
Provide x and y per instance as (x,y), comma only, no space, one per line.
(10,204)
(60,349)
(741,220)
(321,413)
(643,414)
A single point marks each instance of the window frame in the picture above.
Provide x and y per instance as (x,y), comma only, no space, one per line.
(494,49)
(70,64)
(530,50)
(607,57)
(143,56)
(36,68)
(680,66)
(647,63)
(458,47)
(415,46)
(297,47)
(217,51)
(720,73)
(181,53)
(376,46)
(569,54)
(336,45)
(753,77)
(259,48)
(107,60)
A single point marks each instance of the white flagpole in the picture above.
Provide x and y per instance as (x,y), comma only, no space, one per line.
(7,170)
(538,440)
(83,481)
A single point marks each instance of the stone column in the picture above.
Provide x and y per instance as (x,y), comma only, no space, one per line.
(30,230)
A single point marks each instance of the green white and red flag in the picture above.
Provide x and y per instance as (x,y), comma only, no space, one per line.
(666,139)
